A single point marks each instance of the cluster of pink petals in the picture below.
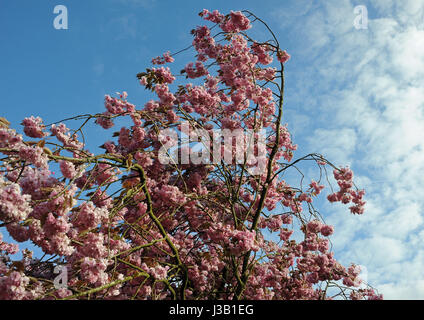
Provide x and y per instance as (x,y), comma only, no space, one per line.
(10,248)
(33,127)
(214,16)
(93,271)
(368,294)
(315,226)
(13,286)
(316,187)
(14,205)
(61,132)
(34,155)
(196,71)
(158,272)
(243,241)
(165,58)
(9,138)
(88,216)
(236,22)
(164,74)
(165,96)
(68,169)
(346,194)
(169,195)
(105,121)
(283,56)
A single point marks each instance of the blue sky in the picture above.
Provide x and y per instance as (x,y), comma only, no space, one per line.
(355,96)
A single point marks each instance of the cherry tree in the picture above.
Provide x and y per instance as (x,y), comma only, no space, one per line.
(148,218)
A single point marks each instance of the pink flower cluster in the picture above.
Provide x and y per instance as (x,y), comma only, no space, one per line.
(243,241)
(158,272)
(14,206)
(68,169)
(88,216)
(9,138)
(315,226)
(236,22)
(116,106)
(345,195)
(34,155)
(105,121)
(169,195)
(164,74)
(365,293)
(62,134)
(165,58)
(214,16)
(93,271)
(10,248)
(13,286)
(316,187)
(196,71)
(165,96)
(283,56)
(261,51)
(33,127)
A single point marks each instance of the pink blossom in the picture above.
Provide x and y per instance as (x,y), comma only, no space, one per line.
(261,50)
(93,271)
(332,197)
(33,127)
(237,22)
(327,230)
(169,195)
(9,138)
(304,197)
(159,272)
(13,286)
(68,169)
(285,234)
(195,71)
(164,74)
(143,81)
(14,206)
(94,246)
(314,226)
(166,58)
(10,248)
(34,155)
(166,97)
(61,132)
(214,16)
(243,241)
(88,216)
(53,225)
(283,56)
(105,121)
(316,187)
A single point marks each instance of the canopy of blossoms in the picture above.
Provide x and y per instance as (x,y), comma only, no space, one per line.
(125,225)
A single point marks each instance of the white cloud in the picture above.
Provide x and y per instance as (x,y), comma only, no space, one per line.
(124,26)
(363,92)
(336,144)
(378,250)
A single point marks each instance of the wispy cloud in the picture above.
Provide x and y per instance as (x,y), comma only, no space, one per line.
(125,26)
(364,95)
